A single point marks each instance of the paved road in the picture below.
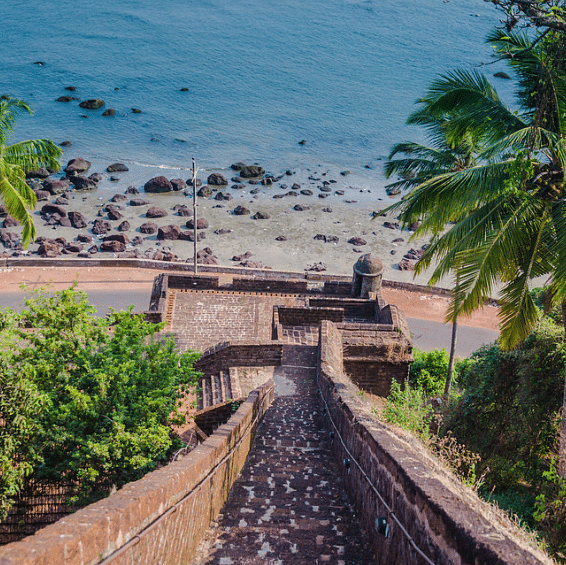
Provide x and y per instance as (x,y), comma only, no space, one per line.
(427,335)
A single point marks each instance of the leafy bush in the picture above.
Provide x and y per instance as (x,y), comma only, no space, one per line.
(406,408)
(428,371)
(105,390)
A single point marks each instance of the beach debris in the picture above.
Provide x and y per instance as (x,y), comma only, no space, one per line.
(77,166)
(92,104)
(158,185)
(216,179)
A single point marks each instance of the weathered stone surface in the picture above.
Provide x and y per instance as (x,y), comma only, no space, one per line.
(114,214)
(178,184)
(77,220)
(202,224)
(124,226)
(112,246)
(132,190)
(9,239)
(260,216)
(183,211)
(77,166)
(40,173)
(156,212)
(56,186)
(92,104)
(216,179)
(406,265)
(61,201)
(101,227)
(83,183)
(171,232)
(121,237)
(357,241)
(49,249)
(223,196)
(190,236)
(85,238)
(158,184)
(42,195)
(53,209)
(240,211)
(117,168)
(73,247)
(148,228)
(205,191)
(250,171)
(139,202)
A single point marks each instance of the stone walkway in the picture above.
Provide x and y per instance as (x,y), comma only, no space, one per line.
(289,505)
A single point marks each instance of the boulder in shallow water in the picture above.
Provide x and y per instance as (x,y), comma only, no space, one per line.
(112,246)
(216,179)
(170,232)
(158,185)
(156,212)
(92,104)
(77,166)
(77,220)
(117,168)
(148,228)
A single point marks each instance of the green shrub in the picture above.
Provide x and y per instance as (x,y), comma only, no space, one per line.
(428,371)
(109,390)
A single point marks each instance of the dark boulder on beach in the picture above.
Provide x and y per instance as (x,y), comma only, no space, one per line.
(117,168)
(112,246)
(83,183)
(238,186)
(240,211)
(3,211)
(40,173)
(77,220)
(202,224)
(9,239)
(156,212)
(406,265)
(178,184)
(96,177)
(190,182)
(56,186)
(216,179)
(260,216)
(77,166)
(281,238)
(222,231)
(502,74)
(85,238)
(42,195)
(223,196)
(242,257)
(121,237)
(101,227)
(124,226)
(109,112)
(10,222)
(301,207)
(158,184)
(391,225)
(72,247)
(148,228)
(114,214)
(205,191)
(251,171)
(50,209)
(132,190)
(170,232)
(306,192)
(357,241)
(237,166)
(190,236)
(92,104)
(182,210)
(66,98)
(118,198)
(61,200)
(139,202)
(49,248)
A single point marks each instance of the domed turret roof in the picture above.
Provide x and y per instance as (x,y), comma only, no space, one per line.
(368,265)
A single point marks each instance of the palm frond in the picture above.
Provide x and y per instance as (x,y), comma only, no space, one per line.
(9,110)
(32,154)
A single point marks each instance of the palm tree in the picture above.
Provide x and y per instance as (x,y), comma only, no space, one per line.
(18,198)
(502,217)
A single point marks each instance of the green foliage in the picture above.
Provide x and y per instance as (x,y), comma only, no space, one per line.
(428,371)
(551,511)
(509,411)
(109,390)
(406,408)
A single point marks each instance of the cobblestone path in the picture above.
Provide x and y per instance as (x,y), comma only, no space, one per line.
(289,505)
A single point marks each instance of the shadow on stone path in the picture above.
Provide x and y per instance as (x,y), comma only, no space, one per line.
(288,505)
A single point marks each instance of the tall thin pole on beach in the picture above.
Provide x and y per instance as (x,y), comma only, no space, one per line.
(194,171)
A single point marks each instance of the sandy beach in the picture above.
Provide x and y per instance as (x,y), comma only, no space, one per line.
(327,229)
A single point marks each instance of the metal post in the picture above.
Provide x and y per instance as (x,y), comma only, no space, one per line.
(194,170)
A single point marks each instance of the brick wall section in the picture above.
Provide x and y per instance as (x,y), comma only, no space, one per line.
(239,354)
(305,316)
(444,520)
(339,288)
(184,492)
(271,285)
(198,282)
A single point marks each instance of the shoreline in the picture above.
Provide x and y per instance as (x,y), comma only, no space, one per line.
(318,220)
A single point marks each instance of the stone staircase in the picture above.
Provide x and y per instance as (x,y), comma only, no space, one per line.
(216,389)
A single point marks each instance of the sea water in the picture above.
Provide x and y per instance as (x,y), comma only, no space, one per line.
(339,76)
